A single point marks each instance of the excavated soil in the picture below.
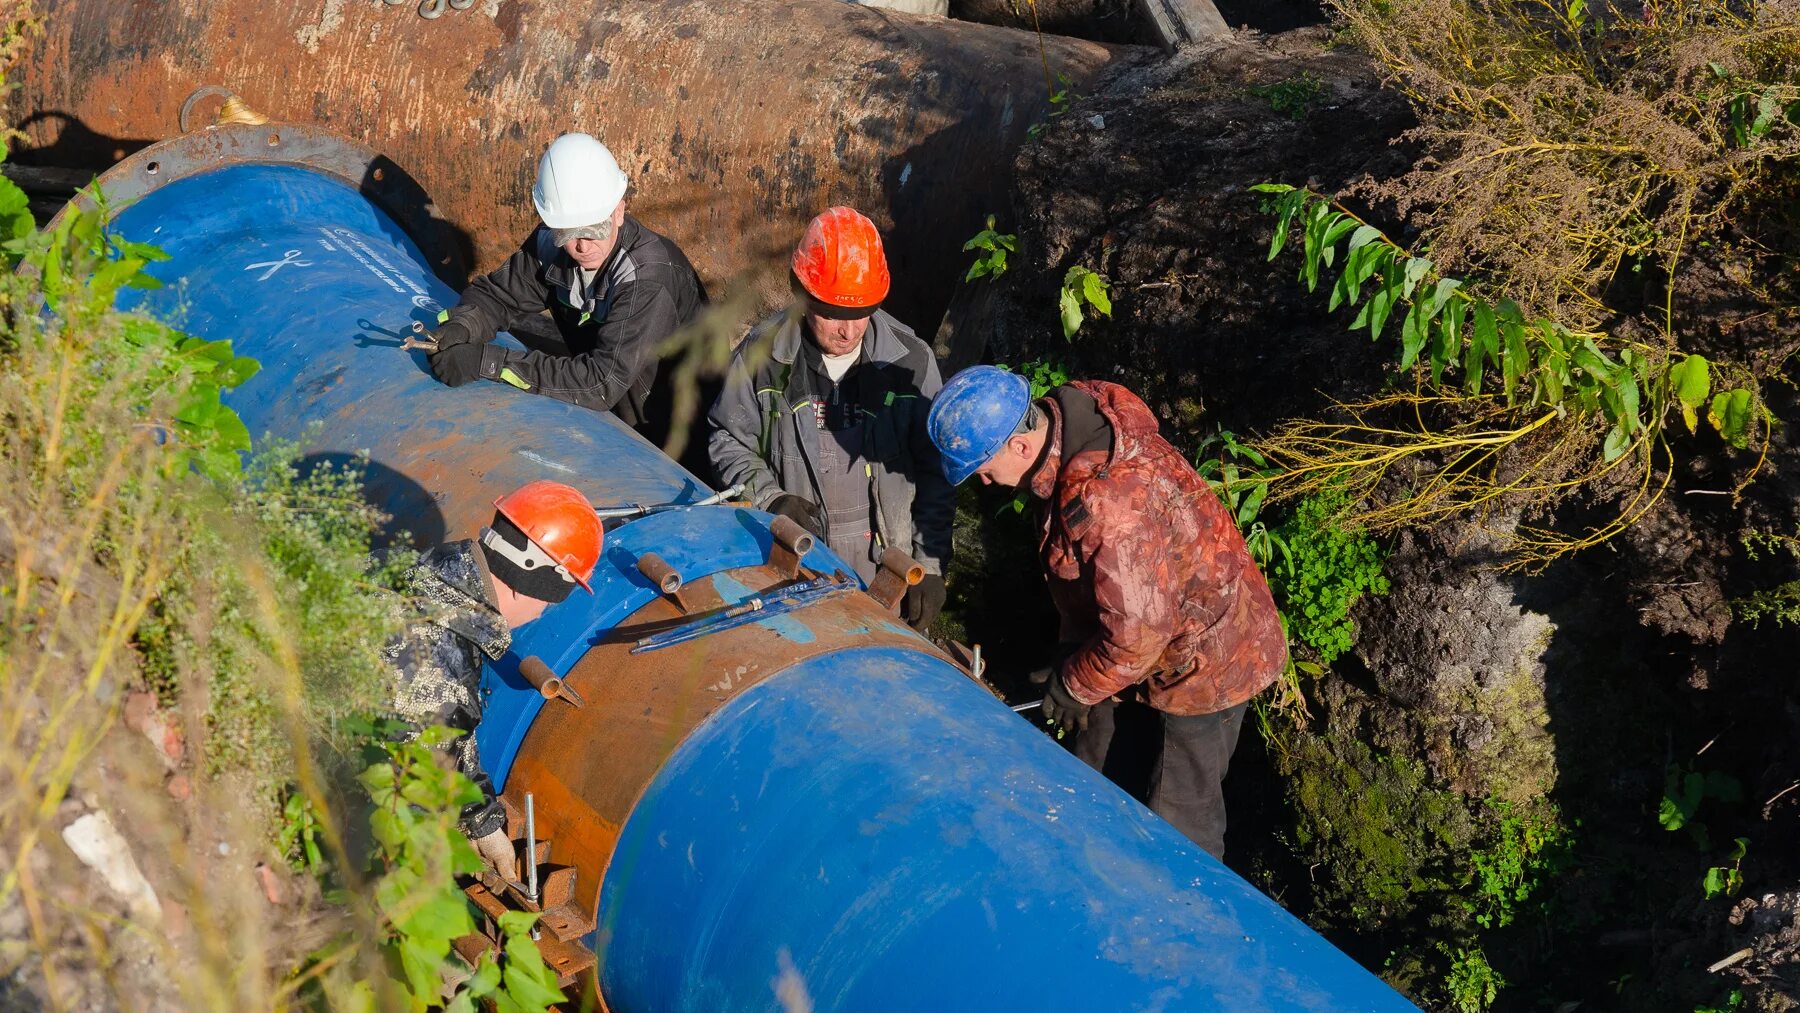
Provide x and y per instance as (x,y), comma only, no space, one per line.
(1582,686)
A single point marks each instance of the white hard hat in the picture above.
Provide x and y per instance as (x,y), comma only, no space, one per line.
(578,183)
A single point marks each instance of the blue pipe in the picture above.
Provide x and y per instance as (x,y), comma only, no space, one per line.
(866,828)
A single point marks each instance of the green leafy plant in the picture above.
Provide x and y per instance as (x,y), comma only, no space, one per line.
(1239,475)
(996,246)
(1324,570)
(300,834)
(1732,1003)
(82,269)
(1727,880)
(1531,847)
(1082,289)
(1472,984)
(417,907)
(1488,378)
(1684,791)
(1060,101)
(1293,97)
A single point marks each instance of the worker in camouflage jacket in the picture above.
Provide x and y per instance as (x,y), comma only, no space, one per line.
(1160,602)
(465,599)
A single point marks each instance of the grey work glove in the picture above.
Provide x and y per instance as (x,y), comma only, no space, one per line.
(924,601)
(1060,706)
(801,511)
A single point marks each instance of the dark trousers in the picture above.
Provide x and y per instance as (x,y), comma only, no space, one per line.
(1184,758)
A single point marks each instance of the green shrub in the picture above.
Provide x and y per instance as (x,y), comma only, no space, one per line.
(1531,846)
(1472,984)
(1323,571)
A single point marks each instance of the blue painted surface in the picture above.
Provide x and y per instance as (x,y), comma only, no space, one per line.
(439,456)
(901,840)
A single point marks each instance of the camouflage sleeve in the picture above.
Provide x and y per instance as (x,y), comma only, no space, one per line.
(1135,591)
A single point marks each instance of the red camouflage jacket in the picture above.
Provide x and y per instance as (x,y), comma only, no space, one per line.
(1148,571)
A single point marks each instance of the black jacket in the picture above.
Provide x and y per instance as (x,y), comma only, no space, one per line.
(643,293)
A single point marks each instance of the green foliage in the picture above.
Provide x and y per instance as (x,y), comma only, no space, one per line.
(992,262)
(1239,475)
(1530,847)
(419,911)
(1727,880)
(1685,790)
(299,835)
(1536,361)
(1060,101)
(1472,984)
(1294,97)
(1781,604)
(1324,569)
(80,271)
(1082,289)
(1732,1003)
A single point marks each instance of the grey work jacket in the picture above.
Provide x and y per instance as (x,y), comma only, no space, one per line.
(759,438)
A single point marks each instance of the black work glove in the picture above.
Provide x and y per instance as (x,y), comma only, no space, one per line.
(1060,705)
(798,509)
(457,364)
(924,601)
(453,332)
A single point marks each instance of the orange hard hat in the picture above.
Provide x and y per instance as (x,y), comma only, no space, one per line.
(559,520)
(840,261)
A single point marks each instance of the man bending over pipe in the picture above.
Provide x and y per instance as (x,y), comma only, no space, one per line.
(469,596)
(614,289)
(830,429)
(1160,600)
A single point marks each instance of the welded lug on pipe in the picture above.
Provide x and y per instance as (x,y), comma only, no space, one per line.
(899,571)
(791,541)
(539,675)
(660,573)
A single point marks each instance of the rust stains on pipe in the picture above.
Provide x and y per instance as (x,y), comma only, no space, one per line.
(735,122)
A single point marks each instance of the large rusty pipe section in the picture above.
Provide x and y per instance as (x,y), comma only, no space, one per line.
(736,122)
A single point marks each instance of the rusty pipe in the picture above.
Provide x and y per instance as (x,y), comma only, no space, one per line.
(789,542)
(659,573)
(899,571)
(735,122)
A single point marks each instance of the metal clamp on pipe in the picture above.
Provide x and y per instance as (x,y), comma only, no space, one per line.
(791,541)
(539,675)
(899,571)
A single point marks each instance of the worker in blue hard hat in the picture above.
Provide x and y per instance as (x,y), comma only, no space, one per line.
(613,289)
(830,430)
(1160,602)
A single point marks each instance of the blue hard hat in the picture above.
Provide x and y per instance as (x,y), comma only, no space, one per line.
(973,415)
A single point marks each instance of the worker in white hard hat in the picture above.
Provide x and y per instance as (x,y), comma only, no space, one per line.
(613,288)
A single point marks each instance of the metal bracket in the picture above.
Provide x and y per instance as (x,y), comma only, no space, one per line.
(899,571)
(660,573)
(534,671)
(790,543)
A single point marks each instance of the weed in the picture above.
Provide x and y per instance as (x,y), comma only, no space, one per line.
(1732,1003)
(1780,604)
(1294,97)
(1082,288)
(1727,880)
(1531,847)
(1060,101)
(992,263)
(414,904)
(1324,569)
(1684,790)
(1472,984)
(300,834)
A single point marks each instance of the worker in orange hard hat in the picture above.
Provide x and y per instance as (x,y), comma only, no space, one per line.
(466,599)
(830,429)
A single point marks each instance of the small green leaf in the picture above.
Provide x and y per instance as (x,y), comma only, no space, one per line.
(1617,442)
(1730,415)
(1093,286)
(1416,270)
(1071,314)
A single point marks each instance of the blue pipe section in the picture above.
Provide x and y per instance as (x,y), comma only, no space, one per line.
(872,827)
(867,828)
